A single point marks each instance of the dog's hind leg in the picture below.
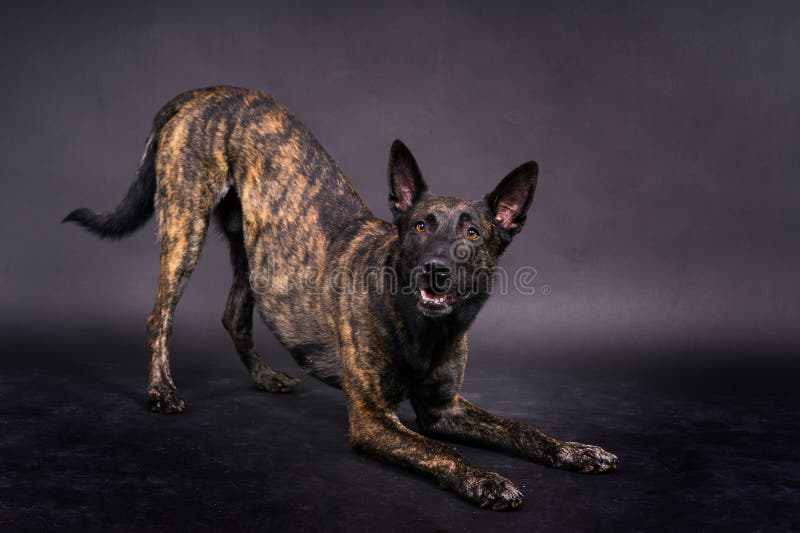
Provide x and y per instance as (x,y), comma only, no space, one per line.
(183,222)
(238,316)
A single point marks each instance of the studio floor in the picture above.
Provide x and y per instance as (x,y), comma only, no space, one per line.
(702,446)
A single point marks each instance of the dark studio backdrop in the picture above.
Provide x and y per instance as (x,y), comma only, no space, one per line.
(663,234)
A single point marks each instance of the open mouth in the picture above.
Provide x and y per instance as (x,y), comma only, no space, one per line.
(432,303)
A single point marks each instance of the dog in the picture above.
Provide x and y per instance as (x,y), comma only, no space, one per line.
(294,222)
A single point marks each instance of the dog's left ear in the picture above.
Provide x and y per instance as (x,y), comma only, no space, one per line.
(405,180)
(510,200)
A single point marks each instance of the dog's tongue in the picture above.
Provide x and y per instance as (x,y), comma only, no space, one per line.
(430,296)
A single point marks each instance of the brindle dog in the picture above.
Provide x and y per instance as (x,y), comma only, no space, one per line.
(294,222)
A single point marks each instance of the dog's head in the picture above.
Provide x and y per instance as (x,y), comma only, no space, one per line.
(449,247)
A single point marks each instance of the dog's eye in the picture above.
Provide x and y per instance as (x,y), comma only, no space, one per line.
(473,234)
(419,227)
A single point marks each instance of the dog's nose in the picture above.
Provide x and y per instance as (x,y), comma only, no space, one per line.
(436,266)
(437,272)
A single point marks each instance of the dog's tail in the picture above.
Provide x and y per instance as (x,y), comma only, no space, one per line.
(137,206)
(133,211)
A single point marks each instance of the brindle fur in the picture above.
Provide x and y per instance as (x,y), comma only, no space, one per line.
(287,209)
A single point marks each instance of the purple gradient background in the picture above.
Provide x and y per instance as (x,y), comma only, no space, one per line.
(667,135)
(665,224)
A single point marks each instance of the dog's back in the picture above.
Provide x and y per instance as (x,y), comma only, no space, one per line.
(281,200)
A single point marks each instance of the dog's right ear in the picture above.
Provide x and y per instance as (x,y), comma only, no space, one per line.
(405,180)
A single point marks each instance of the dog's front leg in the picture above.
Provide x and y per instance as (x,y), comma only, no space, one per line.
(460,420)
(378,432)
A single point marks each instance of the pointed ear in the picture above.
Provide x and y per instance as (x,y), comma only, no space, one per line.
(405,180)
(510,200)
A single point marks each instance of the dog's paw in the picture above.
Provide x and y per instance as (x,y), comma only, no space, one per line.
(489,490)
(271,380)
(165,399)
(585,458)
